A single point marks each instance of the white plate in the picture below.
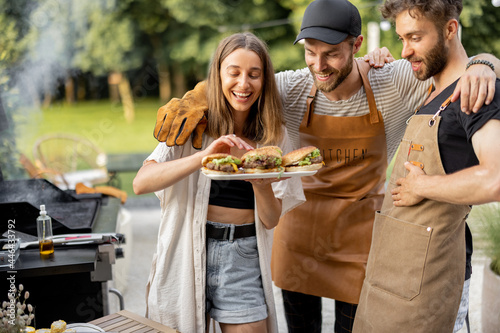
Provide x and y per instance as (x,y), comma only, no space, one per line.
(85,327)
(259,175)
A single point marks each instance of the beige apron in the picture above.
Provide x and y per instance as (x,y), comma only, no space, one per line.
(416,266)
(321,247)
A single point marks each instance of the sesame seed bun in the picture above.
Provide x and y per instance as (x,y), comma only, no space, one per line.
(266,154)
(292,159)
(309,167)
(266,151)
(297,155)
(257,170)
(217,172)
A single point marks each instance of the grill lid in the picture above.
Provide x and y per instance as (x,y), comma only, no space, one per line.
(20,201)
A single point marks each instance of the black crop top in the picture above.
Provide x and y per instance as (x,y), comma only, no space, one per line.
(232,194)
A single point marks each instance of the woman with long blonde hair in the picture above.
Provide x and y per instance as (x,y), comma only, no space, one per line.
(214,243)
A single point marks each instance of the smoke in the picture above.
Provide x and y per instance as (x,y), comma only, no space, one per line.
(49,36)
(55,29)
(49,57)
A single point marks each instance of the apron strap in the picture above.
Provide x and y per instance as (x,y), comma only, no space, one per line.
(374,118)
(369,95)
(310,104)
(441,109)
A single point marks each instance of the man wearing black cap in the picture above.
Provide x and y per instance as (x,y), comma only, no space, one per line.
(321,248)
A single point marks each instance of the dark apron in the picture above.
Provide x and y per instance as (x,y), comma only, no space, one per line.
(416,267)
(321,247)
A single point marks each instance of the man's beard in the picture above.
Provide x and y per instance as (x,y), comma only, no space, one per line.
(338,76)
(433,62)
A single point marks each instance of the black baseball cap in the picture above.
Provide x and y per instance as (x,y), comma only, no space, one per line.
(330,21)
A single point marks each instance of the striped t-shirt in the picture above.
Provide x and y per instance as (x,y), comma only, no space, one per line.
(397,94)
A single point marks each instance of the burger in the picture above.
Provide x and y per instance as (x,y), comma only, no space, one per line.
(303,159)
(221,164)
(263,159)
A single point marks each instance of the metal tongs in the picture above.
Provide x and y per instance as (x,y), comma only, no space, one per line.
(74,239)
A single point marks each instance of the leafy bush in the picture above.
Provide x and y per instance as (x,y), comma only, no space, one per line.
(489,219)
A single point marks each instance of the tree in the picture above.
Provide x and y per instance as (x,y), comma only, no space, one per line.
(13,46)
(109,46)
(480,27)
(183,34)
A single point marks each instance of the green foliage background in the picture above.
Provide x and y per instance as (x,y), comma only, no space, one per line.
(43,42)
(486,224)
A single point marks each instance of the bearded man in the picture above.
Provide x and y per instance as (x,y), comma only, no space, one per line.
(421,247)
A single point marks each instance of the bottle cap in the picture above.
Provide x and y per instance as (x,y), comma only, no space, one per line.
(42,210)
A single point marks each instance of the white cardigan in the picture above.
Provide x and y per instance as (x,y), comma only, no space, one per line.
(175,293)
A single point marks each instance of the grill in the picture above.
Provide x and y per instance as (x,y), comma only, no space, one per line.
(20,201)
(72,284)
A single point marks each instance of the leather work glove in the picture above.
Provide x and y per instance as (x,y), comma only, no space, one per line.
(179,118)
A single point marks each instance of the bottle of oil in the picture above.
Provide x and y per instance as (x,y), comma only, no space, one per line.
(44,228)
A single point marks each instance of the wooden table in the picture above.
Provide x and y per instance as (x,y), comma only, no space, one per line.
(128,322)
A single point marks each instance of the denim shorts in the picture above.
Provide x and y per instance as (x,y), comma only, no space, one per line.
(234,293)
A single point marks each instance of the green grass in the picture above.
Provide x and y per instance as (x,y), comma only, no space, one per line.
(101,122)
